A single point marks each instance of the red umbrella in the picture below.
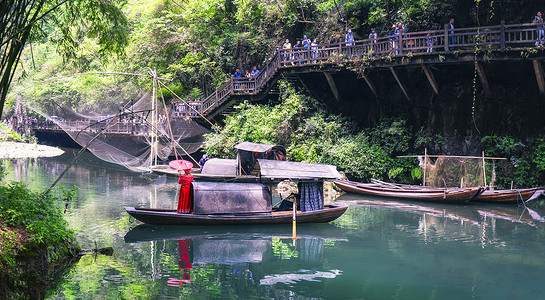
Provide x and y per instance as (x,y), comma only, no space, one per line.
(181,164)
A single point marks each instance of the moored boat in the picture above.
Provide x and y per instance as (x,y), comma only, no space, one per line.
(171,217)
(511,196)
(449,195)
(237,203)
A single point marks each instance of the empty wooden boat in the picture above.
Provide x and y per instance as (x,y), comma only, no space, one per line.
(449,195)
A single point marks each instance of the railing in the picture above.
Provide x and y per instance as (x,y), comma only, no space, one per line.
(132,128)
(500,37)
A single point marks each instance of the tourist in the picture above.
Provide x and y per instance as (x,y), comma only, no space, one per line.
(306,47)
(296,50)
(287,52)
(429,42)
(399,31)
(185,198)
(349,39)
(373,40)
(255,72)
(236,78)
(451,37)
(247,74)
(203,160)
(391,38)
(538,20)
(314,50)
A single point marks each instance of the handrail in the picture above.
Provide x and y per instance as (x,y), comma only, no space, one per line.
(427,42)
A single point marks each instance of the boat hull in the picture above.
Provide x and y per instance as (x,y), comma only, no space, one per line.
(509,196)
(457,196)
(171,217)
(512,196)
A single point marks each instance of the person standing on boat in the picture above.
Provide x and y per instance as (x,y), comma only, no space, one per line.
(186,197)
(203,160)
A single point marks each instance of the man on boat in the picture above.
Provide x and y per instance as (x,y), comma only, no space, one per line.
(186,198)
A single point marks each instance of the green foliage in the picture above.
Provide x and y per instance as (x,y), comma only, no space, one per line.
(40,214)
(8,135)
(310,135)
(525,165)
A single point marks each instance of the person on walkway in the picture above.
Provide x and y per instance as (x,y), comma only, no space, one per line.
(429,42)
(373,37)
(392,39)
(451,37)
(538,20)
(287,54)
(247,74)
(296,49)
(349,39)
(237,76)
(314,50)
(185,201)
(306,47)
(203,160)
(255,72)
(399,32)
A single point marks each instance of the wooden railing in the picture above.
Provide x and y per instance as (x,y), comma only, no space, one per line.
(499,38)
(132,128)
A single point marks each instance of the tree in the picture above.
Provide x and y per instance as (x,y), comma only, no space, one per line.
(24,20)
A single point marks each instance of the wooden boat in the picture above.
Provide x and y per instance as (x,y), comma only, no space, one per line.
(512,196)
(221,203)
(449,195)
(171,217)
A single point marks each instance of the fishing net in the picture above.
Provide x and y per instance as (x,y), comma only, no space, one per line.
(125,127)
(453,172)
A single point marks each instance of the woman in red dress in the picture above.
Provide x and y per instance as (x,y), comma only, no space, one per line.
(186,197)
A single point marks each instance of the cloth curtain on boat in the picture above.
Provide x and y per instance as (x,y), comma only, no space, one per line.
(312,196)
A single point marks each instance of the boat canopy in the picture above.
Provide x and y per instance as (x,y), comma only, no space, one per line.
(276,169)
(230,198)
(248,153)
(220,167)
(255,147)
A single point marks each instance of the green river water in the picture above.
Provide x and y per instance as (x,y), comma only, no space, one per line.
(376,250)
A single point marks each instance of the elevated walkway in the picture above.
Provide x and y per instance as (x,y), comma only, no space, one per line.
(462,45)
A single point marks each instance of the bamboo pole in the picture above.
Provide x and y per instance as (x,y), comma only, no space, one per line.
(425,163)
(294,227)
(484,171)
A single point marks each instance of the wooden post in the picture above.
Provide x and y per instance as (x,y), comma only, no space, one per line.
(425,163)
(370,84)
(294,225)
(482,77)
(400,84)
(431,78)
(446,38)
(502,35)
(484,170)
(400,43)
(538,70)
(333,86)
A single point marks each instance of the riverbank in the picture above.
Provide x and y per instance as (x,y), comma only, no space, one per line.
(9,150)
(33,234)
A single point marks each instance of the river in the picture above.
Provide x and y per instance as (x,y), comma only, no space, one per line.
(376,250)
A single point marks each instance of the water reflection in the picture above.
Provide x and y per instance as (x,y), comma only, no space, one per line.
(466,223)
(242,253)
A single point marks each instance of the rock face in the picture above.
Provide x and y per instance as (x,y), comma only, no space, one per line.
(463,111)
